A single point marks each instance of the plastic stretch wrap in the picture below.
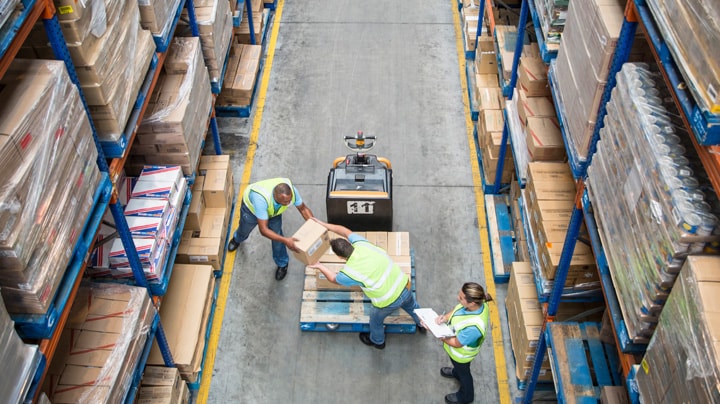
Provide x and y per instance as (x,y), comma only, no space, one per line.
(101,344)
(214,20)
(517,136)
(20,361)
(50,160)
(87,20)
(681,363)
(179,107)
(112,72)
(650,205)
(158,16)
(552,15)
(7,9)
(692,29)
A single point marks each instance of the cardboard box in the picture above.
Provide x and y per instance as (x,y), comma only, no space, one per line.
(214,162)
(184,316)
(544,139)
(201,250)
(215,188)
(534,107)
(490,98)
(486,80)
(197,205)
(398,243)
(312,241)
(532,77)
(614,395)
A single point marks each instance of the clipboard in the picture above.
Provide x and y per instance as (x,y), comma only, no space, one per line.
(428,316)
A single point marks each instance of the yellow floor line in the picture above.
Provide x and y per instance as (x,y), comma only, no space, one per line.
(247,170)
(498,346)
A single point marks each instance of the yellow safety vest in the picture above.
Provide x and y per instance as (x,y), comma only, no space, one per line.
(265,189)
(381,278)
(458,322)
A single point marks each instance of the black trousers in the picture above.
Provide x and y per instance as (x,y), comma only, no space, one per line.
(466,393)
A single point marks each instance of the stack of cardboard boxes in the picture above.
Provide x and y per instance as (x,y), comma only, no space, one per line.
(161,385)
(241,75)
(550,198)
(537,113)
(157,16)
(525,319)
(185,311)
(490,129)
(111,58)
(50,177)
(205,233)
(242,33)
(215,24)
(175,121)
(101,344)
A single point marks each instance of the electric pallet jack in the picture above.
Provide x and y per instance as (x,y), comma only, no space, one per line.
(359,188)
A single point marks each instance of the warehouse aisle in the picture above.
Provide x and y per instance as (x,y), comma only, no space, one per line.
(390,69)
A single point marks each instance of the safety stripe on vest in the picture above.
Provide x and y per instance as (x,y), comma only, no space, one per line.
(473,351)
(369,284)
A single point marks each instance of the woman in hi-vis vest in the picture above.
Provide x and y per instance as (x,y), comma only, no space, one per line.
(469,321)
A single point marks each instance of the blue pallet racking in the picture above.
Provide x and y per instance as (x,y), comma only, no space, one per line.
(9,31)
(271,6)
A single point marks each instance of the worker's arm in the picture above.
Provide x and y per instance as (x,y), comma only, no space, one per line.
(305,211)
(335,228)
(330,275)
(267,232)
(452,341)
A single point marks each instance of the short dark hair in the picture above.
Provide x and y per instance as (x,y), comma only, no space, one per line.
(342,247)
(282,189)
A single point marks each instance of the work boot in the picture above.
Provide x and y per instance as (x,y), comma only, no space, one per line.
(447,372)
(280,273)
(365,338)
(232,245)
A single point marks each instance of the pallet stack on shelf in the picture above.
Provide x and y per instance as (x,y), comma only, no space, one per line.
(610,198)
(111,68)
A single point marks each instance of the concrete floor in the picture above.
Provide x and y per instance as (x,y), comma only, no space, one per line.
(391,70)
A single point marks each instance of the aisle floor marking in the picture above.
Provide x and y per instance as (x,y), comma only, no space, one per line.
(498,346)
(244,181)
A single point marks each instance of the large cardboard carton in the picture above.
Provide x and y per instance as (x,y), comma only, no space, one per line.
(312,239)
(544,139)
(532,77)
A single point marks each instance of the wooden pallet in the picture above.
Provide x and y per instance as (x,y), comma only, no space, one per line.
(346,310)
(580,362)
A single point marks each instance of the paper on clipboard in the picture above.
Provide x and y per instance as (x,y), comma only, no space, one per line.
(428,316)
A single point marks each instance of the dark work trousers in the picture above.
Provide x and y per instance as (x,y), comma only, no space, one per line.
(466,393)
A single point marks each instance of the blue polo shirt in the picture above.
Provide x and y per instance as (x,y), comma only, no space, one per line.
(261,206)
(469,335)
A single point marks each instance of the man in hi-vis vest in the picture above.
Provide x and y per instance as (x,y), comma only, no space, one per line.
(262,205)
(469,321)
(382,281)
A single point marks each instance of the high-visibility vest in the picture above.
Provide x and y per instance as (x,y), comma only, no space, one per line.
(458,322)
(265,189)
(381,279)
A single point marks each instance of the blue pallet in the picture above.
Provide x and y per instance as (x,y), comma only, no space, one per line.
(502,240)
(342,302)
(117,148)
(575,162)
(569,295)
(590,363)
(626,343)
(42,326)
(271,6)
(705,125)
(471,83)
(195,386)
(12,26)
(140,368)
(631,385)
(546,54)
(162,42)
